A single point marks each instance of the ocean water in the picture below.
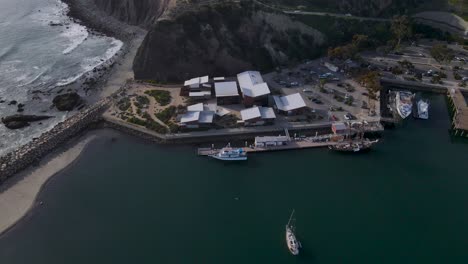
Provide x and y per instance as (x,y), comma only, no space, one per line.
(132,202)
(37,60)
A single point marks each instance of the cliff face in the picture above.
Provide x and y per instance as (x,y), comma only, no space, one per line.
(222,40)
(135,12)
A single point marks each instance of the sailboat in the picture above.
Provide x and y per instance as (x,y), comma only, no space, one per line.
(291,240)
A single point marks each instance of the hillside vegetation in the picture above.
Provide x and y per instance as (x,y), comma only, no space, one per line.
(223,39)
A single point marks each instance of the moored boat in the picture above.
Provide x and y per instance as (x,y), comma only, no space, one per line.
(230,154)
(422,109)
(404,103)
(291,240)
(354,146)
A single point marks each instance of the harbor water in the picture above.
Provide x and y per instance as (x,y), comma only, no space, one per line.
(127,201)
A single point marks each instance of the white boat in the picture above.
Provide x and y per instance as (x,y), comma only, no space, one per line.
(230,154)
(423,109)
(404,103)
(291,240)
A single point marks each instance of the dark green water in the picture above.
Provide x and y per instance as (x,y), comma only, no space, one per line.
(134,202)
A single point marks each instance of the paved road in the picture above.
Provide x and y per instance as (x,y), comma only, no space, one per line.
(337,15)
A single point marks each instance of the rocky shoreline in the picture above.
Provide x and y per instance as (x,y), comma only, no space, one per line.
(32,152)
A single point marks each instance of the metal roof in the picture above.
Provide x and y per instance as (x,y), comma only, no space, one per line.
(250,113)
(223,89)
(204,79)
(195,107)
(200,94)
(252,84)
(267,113)
(206,117)
(271,139)
(289,102)
(190,117)
(192,82)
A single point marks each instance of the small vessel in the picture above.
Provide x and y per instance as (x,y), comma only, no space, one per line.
(422,109)
(291,240)
(354,146)
(404,103)
(230,154)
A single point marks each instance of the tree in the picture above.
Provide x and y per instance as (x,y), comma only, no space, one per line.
(442,53)
(401,29)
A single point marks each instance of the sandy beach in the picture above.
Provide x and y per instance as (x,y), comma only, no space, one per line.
(18,195)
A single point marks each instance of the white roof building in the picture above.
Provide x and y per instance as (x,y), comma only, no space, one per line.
(289,102)
(251,84)
(257,112)
(224,89)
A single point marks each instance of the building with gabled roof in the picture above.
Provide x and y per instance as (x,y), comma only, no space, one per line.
(257,115)
(290,104)
(226,93)
(254,90)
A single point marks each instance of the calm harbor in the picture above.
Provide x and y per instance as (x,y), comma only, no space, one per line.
(147,203)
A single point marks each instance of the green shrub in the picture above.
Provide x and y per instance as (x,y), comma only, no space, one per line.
(166,114)
(162,97)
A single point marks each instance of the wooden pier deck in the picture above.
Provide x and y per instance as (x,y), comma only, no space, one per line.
(460,113)
(290,146)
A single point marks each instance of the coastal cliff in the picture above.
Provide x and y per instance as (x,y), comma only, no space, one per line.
(135,12)
(223,39)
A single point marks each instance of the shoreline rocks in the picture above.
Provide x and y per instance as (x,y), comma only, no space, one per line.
(33,151)
(20,121)
(66,102)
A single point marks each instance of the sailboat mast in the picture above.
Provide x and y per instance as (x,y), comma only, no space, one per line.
(290,218)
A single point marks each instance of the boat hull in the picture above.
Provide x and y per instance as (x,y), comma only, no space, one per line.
(291,241)
(229,158)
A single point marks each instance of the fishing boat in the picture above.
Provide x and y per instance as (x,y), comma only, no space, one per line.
(404,103)
(422,109)
(291,240)
(230,154)
(354,146)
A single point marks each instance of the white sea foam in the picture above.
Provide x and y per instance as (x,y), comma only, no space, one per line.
(89,64)
(76,34)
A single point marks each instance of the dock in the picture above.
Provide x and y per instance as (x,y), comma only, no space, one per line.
(459,108)
(292,145)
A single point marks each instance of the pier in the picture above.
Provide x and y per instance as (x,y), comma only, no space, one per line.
(459,111)
(292,145)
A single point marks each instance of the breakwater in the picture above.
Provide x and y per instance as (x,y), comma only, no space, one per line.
(31,152)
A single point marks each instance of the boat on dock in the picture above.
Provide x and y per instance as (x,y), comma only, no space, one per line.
(422,109)
(291,240)
(230,154)
(404,103)
(354,146)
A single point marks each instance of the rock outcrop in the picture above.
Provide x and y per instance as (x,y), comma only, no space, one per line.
(20,121)
(223,39)
(66,102)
